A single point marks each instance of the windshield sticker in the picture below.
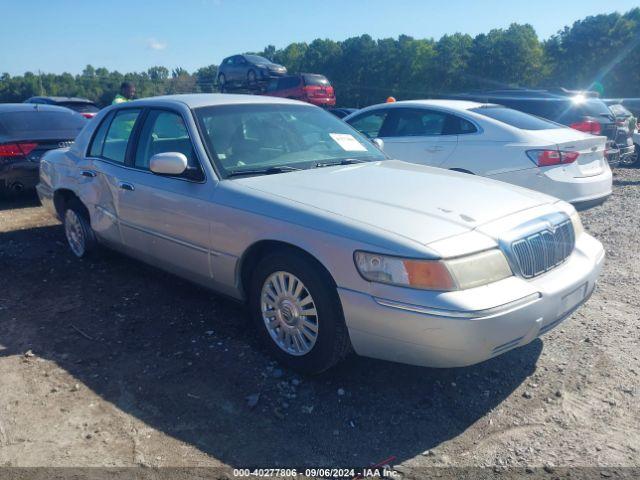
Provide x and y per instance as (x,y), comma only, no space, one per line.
(348,142)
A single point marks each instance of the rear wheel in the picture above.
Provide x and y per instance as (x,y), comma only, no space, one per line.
(77,229)
(631,160)
(297,312)
(222,82)
(251,78)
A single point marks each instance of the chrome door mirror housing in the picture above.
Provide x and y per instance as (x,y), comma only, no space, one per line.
(168,163)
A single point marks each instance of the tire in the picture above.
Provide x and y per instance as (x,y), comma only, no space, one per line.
(222,83)
(633,161)
(77,228)
(251,78)
(306,351)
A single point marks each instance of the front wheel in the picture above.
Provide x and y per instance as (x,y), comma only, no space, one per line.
(77,229)
(298,314)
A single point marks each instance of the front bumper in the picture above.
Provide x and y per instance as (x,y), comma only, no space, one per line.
(394,330)
(17,176)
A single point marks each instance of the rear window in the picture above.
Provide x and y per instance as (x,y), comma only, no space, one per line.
(80,107)
(316,80)
(40,123)
(283,83)
(619,111)
(515,118)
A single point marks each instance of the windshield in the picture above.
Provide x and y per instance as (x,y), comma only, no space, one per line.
(619,111)
(259,137)
(256,59)
(516,119)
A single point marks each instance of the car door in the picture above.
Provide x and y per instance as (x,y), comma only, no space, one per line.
(165,219)
(418,135)
(231,70)
(101,174)
(240,69)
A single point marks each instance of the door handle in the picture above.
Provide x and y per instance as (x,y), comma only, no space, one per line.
(88,173)
(435,149)
(126,186)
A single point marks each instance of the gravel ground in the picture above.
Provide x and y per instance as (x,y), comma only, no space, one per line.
(108,362)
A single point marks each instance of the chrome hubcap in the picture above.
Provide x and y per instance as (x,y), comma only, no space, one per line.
(289,313)
(74,232)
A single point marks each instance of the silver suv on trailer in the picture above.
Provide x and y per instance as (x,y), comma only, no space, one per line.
(334,246)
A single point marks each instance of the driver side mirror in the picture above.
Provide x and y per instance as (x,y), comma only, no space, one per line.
(168,163)
(378,142)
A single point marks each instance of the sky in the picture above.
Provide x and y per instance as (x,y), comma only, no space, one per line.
(64,35)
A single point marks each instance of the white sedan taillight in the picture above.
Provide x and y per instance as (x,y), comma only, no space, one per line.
(547,158)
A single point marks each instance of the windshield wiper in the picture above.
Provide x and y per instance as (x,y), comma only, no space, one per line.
(265,171)
(344,161)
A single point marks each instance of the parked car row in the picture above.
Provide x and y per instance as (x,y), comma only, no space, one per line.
(334,246)
(493,141)
(579,110)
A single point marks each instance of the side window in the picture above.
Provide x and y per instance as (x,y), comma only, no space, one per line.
(458,126)
(273,85)
(165,131)
(98,137)
(289,82)
(369,123)
(416,123)
(117,139)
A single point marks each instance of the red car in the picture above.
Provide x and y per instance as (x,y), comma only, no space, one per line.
(308,87)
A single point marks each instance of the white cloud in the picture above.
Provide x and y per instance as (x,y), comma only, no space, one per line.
(155,44)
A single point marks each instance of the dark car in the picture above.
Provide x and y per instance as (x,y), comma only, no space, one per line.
(308,87)
(626,123)
(579,110)
(26,133)
(84,106)
(247,71)
(342,112)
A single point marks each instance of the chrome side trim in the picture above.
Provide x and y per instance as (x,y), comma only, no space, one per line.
(106,212)
(460,314)
(168,238)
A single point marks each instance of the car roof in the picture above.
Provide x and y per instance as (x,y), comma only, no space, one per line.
(449,104)
(31,107)
(196,100)
(63,99)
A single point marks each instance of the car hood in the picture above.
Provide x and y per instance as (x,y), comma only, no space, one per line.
(420,203)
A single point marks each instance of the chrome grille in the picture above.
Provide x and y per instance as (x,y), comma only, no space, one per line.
(540,252)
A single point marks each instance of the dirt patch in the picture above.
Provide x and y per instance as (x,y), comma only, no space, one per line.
(108,362)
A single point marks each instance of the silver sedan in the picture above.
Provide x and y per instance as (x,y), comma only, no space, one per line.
(334,246)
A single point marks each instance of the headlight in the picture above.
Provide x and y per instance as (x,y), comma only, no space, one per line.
(446,275)
(578,229)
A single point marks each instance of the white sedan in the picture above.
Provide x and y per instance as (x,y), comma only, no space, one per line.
(492,141)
